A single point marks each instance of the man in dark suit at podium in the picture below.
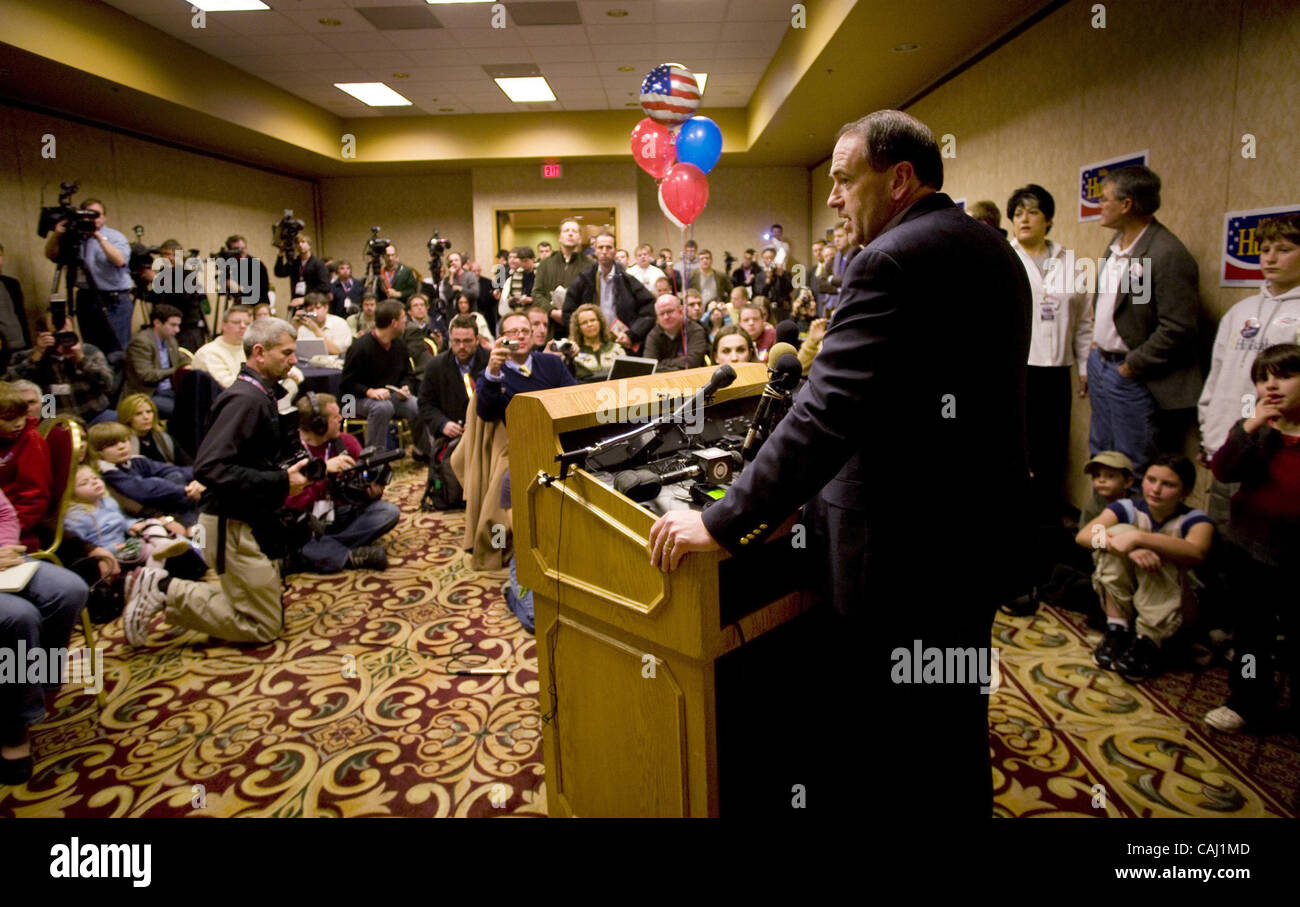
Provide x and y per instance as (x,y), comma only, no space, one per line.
(517,371)
(913,408)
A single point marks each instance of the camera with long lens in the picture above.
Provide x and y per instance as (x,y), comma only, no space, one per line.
(285,233)
(81,221)
(352,486)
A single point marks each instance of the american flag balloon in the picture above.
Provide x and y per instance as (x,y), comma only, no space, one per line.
(670,94)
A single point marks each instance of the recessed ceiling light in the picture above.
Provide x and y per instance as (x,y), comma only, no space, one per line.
(330,23)
(526,89)
(375,94)
(730,91)
(226,6)
(905,48)
(627,69)
(447,109)
(632,104)
(401,75)
(616,13)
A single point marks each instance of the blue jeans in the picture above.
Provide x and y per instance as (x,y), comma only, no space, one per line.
(1123,414)
(329,553)
(379,413)
(41,616)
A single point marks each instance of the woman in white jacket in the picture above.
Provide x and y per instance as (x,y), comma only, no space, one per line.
(1060,336)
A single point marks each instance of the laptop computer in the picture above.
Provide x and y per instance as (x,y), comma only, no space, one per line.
(631,367)
(312,347)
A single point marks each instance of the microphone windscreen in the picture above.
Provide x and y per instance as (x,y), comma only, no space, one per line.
(777,351)
(787,332)
(638,484)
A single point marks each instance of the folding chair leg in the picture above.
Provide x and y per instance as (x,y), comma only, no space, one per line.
(88,631)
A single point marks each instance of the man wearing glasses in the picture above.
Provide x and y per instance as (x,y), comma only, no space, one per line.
(516,371)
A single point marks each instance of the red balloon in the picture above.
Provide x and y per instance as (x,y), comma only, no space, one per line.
(683,193)
(653,148)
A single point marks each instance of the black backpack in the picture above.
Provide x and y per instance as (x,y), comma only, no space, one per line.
(442,491)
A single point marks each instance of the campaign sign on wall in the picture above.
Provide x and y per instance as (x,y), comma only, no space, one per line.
(1090,177)
(1240,248)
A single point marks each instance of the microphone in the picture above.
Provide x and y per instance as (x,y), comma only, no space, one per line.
(784,376)
(645,438)
(640,485)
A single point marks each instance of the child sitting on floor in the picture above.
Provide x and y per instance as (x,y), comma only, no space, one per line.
(1143,551)
(1070,585)
(96,518)
(160,487)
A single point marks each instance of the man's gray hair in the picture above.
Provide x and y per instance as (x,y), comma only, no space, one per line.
(266,332)
(891,136)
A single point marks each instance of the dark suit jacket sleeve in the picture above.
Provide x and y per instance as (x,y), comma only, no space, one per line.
(316,275)
(827,425)
(432,389)
(16,294)
(580,291)
(642,317)
(1174,292)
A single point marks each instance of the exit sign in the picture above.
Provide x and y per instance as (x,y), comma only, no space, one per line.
(551,171)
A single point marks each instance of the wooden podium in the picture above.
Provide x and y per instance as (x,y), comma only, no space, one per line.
(627,655)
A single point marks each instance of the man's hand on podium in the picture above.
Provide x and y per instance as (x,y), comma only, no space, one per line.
(676,534)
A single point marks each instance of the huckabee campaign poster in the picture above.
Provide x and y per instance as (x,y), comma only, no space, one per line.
(1239,248)
(1090,177)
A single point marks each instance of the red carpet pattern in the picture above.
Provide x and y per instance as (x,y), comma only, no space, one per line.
(354,711)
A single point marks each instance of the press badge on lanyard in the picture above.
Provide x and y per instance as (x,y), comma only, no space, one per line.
(1047,311)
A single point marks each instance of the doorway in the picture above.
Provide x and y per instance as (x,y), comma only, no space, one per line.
(530,226)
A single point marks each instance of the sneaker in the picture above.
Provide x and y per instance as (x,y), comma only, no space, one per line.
(1116,641)
(144,599)
(1224,719)
(368,557)
(1142,659)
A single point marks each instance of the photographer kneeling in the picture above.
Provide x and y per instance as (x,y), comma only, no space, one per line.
(238,462)
(347,504)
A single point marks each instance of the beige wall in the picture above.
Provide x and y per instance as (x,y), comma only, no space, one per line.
(407,209)
(522,186)
(174,194)
(743,203)
(1064,94)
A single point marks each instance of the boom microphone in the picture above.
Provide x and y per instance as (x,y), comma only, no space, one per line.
(784,376)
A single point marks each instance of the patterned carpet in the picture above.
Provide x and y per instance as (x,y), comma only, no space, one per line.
(353,712)
(1062,731)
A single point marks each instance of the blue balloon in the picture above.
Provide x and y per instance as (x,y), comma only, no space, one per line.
(699,142)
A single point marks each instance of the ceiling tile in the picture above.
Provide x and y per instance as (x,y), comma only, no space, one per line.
(554,35)
(584,69)
(488,37)
(545,53)
(623,33)
(638,11)
(684,32)
(545,12)
(399,18)
(260,22)
(422,39)
(690,10)
(357,41)
(755,31)
(759,10)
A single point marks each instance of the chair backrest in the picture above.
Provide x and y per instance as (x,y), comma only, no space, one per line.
(66,439)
